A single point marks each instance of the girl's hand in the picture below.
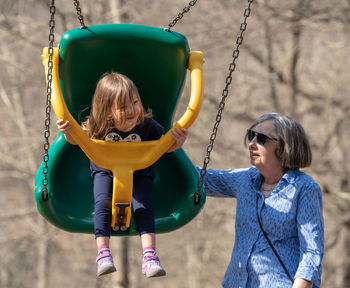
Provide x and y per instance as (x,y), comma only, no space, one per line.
(180,136)
(65,127)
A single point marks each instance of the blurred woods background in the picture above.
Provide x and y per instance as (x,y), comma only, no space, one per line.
(294,59)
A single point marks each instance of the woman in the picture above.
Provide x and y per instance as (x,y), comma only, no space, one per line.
(286,201)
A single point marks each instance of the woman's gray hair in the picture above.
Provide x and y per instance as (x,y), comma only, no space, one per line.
(293,149)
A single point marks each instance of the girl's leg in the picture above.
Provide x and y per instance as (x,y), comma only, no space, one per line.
(102,242)
(103,184)
(148,242)
(151,265)
(143,213)
(142,205)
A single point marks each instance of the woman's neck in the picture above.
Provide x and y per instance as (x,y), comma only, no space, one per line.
(269,183)
(271,177)
(272,180)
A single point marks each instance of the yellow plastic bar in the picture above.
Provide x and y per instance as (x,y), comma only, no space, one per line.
(123,158)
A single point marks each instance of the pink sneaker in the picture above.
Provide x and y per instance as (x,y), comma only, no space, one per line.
(151,267)
(105,264)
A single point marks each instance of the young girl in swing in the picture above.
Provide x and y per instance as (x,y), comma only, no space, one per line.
(117,114)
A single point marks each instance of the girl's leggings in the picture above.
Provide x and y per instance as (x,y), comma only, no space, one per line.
(141,202)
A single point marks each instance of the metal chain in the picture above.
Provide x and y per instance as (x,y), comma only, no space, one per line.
(48,100)
(228,81)
(181,14)
(80,16)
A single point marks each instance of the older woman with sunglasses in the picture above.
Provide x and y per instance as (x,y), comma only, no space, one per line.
(279,224)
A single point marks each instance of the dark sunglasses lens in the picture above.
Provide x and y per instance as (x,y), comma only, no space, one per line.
(261,139)
(250,135)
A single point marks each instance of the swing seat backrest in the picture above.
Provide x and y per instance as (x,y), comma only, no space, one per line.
(156,61)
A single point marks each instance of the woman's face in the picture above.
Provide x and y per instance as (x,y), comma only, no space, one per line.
(264,156)
(126,117)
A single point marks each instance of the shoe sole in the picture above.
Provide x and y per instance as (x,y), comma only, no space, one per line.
(158,273)
(106,271)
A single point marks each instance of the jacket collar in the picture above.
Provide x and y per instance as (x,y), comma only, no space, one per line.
(256,177)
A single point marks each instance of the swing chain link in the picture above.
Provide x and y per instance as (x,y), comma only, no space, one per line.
(48,101)
(180,15)
(80,15)
(232,68)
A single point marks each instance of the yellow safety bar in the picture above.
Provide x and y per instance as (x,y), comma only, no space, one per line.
(123,158)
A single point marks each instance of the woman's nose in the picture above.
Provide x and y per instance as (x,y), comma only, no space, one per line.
(253,141)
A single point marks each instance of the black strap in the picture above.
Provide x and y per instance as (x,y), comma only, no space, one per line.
(270,243)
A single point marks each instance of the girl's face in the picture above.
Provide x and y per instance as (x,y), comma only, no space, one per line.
(127,115)
(264,156)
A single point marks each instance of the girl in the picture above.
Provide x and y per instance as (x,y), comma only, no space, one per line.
(117,114)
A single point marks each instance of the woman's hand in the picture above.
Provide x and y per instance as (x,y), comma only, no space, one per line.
(180,136)
(65,127)
(302,283)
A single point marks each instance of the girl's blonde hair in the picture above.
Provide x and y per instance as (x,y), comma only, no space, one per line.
(111,86)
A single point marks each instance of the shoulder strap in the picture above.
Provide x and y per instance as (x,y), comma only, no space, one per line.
(270,243)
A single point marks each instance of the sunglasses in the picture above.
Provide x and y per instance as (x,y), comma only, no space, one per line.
(260,137)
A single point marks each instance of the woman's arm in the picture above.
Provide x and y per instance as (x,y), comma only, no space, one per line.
(65,128)
(221,183)
(310,233)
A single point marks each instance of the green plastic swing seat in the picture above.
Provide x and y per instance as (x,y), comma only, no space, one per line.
(156,61)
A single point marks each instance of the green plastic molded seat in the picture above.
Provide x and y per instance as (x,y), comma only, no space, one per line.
(156,61)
